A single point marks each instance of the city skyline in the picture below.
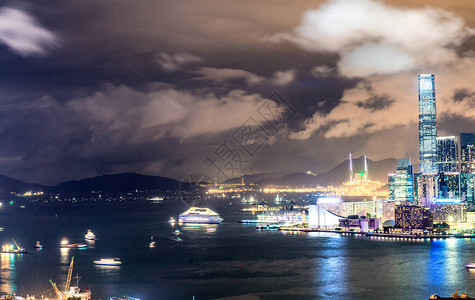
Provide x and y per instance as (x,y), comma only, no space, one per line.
(157,89)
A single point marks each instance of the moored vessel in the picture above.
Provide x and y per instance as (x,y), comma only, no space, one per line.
(71,292)
(13,249)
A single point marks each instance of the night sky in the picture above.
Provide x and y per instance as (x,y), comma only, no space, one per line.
(172,88)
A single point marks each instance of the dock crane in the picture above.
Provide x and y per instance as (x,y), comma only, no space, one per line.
(60,294)
(70,273)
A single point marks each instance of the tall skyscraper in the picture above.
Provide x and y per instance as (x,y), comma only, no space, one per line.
(401,183)
(447,154)
(427,124)
(467,152)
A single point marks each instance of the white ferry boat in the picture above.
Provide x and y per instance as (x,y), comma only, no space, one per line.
(199,215)
(108,262)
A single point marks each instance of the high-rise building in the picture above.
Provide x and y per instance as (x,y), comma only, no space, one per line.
(447,154)
(401,183)
(467,190)
(467,152)
(425,188)
(448,185)
(427,124)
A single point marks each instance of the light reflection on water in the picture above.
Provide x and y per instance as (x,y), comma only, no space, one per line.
(7,272)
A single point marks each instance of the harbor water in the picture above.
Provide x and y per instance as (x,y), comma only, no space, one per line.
(219,261)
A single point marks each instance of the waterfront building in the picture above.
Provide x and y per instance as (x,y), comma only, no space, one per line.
(467,152)
(448,185)
(360,224)
(449,212)
(287,217)
(413,218)
(447,154)
(383,209)
(401,183)
(388,209)
(425,188)
(318,217)
(427,124)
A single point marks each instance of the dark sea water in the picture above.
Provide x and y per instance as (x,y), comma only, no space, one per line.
(227,260)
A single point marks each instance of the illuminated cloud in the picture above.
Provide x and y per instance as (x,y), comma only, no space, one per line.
(22,34)
(374,38)
(174,62)
(380,103)
(283,77)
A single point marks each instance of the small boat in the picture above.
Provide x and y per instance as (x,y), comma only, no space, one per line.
(176,232)
(470,266)
(38,245)
(152,243)
(172,220)
(108,262)
(90,236)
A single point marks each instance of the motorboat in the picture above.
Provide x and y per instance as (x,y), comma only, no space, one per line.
(38,245)
(152,243)
(176,232)
(198,215)
(108,262)
(90,235)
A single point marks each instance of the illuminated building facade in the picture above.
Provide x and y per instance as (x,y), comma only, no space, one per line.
(447,154)
(467,152)
(449,212)
(410,217)
(382,209)
(425,188)
(427,124)
(401,183)
(467,190)
(448,185)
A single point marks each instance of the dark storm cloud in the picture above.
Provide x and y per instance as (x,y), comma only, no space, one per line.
(376,102)
(464,95)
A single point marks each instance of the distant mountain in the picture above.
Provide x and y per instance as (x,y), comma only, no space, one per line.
(377,170)
(252,178)
(126,182)
(8,185)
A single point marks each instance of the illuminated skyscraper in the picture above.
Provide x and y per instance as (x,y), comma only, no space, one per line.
(447,154)
(401,183)
(467,152)
(427,124)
